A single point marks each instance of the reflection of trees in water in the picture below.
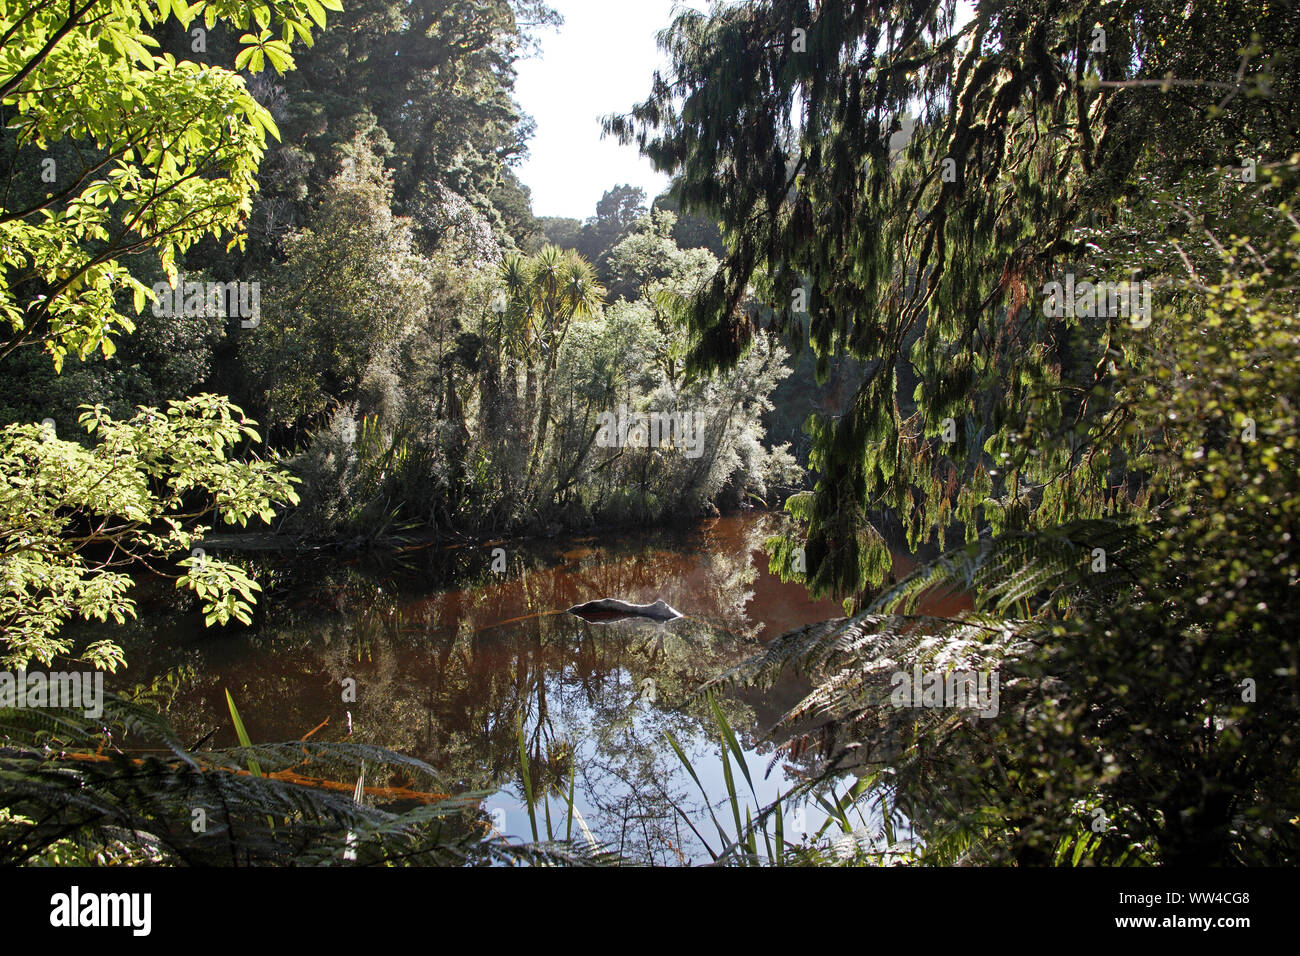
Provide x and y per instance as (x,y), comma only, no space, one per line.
(633,783)
(445,677)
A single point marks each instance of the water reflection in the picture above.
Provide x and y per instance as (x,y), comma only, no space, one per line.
(451,675)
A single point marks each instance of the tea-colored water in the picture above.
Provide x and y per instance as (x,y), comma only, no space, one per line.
(448,673)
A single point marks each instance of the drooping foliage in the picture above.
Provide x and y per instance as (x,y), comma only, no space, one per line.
(1123,471)
(916,182)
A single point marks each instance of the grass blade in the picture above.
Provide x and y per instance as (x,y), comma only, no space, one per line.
(527,779)
(253,766)
(568,831)
(681,755)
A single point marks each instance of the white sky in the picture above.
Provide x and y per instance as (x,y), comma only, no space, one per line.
(599,62)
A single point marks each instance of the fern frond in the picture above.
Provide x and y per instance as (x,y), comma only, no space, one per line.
(68,781)
(1021,585)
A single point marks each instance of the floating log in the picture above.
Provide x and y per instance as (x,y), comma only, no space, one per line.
(607,610)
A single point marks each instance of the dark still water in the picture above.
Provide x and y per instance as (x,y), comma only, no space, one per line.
(448,674)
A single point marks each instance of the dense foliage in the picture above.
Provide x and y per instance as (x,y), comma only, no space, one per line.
(1124,478)
(1040,257)
(417,369)
(357,282)
(163,153)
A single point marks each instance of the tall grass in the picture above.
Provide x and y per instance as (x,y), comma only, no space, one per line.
(532,797)
(759,837)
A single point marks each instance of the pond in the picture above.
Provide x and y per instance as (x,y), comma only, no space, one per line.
(388,653)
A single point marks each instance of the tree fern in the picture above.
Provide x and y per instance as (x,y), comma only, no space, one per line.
(1022,585)
(69,782)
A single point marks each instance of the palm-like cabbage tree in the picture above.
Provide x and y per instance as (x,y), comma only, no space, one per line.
(545,293)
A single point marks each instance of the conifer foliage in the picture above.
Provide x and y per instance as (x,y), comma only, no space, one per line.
(945,197)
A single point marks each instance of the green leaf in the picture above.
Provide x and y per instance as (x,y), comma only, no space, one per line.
(244,741)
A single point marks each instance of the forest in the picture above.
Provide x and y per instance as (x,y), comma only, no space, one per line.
(948,397)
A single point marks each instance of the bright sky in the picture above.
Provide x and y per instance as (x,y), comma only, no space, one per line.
(599,62)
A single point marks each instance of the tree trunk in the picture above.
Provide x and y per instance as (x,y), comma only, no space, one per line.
(543,429)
